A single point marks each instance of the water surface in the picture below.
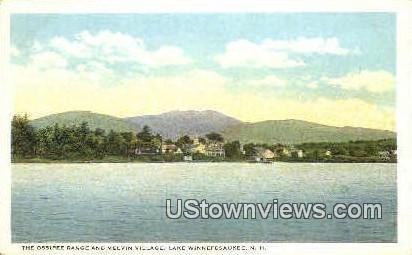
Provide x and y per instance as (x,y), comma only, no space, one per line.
(126,202)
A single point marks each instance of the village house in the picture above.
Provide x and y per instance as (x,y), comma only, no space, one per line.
(169,148)
(198,148)
(196,141)
(188,158)
(264,155)
(286,152)
(215,149)
(294,152)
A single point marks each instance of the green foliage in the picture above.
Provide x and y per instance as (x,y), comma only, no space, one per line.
(352,151)
(129,143)
(75,142)
(203,157)
(232,150)
(115,143)
(168,141)
(23,137)
(249,149)
(147,142)
(184,141)
(145,136)
(81,143)
(215,137)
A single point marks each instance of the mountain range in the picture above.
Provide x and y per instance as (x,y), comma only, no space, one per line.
(175,124)
(298,131)
(198,123)
(95,120)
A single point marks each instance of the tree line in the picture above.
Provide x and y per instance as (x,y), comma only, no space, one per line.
(351,151)
(76,142)
(80,142)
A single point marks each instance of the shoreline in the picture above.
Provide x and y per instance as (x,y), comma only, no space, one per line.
(125,161)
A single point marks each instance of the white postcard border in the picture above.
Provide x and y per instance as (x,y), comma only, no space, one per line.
(403,9)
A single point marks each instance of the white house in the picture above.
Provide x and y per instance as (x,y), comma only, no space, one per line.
(198,148)
(215,149)
(264,155)
(188,158)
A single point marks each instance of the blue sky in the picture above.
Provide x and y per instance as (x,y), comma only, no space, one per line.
(304,57)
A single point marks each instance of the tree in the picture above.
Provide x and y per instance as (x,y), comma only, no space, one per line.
(249,149)
(146,140)
(168,141)
(215,137)
(23,137)
(184,141)
(129,142)
(157,142)
(44,142)
(115,143)
(99,144)
(232,150)
(145,136)
(83,141)
(315,155)
(202,140)
(338,149)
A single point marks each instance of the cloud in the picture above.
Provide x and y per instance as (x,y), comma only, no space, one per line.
(269,81)
(71,48)
(42,92)
(115,47)
(48,59)
(312,85)
(95,71)
(277,53)
(308,45)
(246,53)
(373,81)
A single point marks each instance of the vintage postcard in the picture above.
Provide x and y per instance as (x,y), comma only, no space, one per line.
(222,130)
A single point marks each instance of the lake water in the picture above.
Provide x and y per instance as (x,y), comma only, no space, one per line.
(126,202)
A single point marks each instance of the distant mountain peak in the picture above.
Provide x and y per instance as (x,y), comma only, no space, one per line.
(176,123)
